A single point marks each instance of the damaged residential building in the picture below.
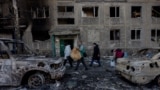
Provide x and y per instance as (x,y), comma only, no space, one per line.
(47,25)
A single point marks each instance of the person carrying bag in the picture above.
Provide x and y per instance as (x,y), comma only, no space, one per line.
(75,54)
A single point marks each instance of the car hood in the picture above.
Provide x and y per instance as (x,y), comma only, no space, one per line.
(37,58)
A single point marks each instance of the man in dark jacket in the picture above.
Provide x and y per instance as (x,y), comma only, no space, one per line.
(96,54)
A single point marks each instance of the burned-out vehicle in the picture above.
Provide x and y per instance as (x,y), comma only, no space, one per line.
(20,65)
(140,70)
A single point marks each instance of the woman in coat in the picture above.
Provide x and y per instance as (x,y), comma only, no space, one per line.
(67,52)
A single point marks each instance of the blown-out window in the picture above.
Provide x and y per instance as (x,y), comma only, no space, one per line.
(90,12)
(135,11)
(156,11)
(40,12)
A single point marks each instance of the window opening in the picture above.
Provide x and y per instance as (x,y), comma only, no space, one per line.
(135,34)
(156,11)
(114,11)
(136,11)
(40,12)
(115,34)
(155,35)
(41,35)
(90,12)
(65,9)
(65,20)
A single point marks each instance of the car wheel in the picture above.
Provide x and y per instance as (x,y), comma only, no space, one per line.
(36,80)
(158,80)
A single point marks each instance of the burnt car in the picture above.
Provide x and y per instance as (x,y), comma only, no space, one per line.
(140,70)
(20,65)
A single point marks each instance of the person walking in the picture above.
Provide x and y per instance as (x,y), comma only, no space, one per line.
(96,55)
(67,52)
(118,54)
(82,51)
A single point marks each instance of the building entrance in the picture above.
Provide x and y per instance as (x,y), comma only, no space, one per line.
(63,42)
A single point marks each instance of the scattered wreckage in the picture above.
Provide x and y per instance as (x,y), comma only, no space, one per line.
(141,70)
(21,66)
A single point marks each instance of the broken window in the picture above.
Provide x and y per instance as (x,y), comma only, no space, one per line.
(135,34)
(41,35)
(155,35)
(136,11)
(6,10)
(40,12)
(114,11)
(65,9)
(156,11)
(65,21)
(40,29)
(115,34)
(90,12)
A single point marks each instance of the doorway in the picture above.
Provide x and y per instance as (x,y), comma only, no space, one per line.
(63,42)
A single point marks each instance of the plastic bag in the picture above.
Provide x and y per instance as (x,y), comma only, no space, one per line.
(112,63)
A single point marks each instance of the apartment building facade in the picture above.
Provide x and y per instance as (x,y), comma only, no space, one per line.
(127,24)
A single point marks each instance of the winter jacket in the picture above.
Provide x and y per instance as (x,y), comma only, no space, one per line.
(82,50)
(96,53)
(67,51)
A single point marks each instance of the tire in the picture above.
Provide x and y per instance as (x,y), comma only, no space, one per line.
(36,80)
(158,80)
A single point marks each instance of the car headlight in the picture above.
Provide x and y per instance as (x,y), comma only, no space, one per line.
(55,66)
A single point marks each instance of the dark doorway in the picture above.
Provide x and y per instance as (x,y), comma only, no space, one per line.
(63,42)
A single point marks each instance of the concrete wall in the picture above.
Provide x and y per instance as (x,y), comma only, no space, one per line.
(97,29)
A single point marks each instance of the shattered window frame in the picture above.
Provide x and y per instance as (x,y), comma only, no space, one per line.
(114,11)
(155,35)
(136,34)
(136,11)
(155,11)
(115,34)
(40,12)
(90,11)
(65,8)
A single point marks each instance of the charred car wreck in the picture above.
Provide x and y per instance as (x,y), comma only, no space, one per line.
(140,70)
(19,65)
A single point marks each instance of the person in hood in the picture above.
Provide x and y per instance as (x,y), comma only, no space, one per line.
(67,52)
(96,54)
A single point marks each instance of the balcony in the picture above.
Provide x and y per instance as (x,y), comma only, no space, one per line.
(8,23)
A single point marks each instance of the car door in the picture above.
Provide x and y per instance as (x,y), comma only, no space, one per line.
(5,66)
